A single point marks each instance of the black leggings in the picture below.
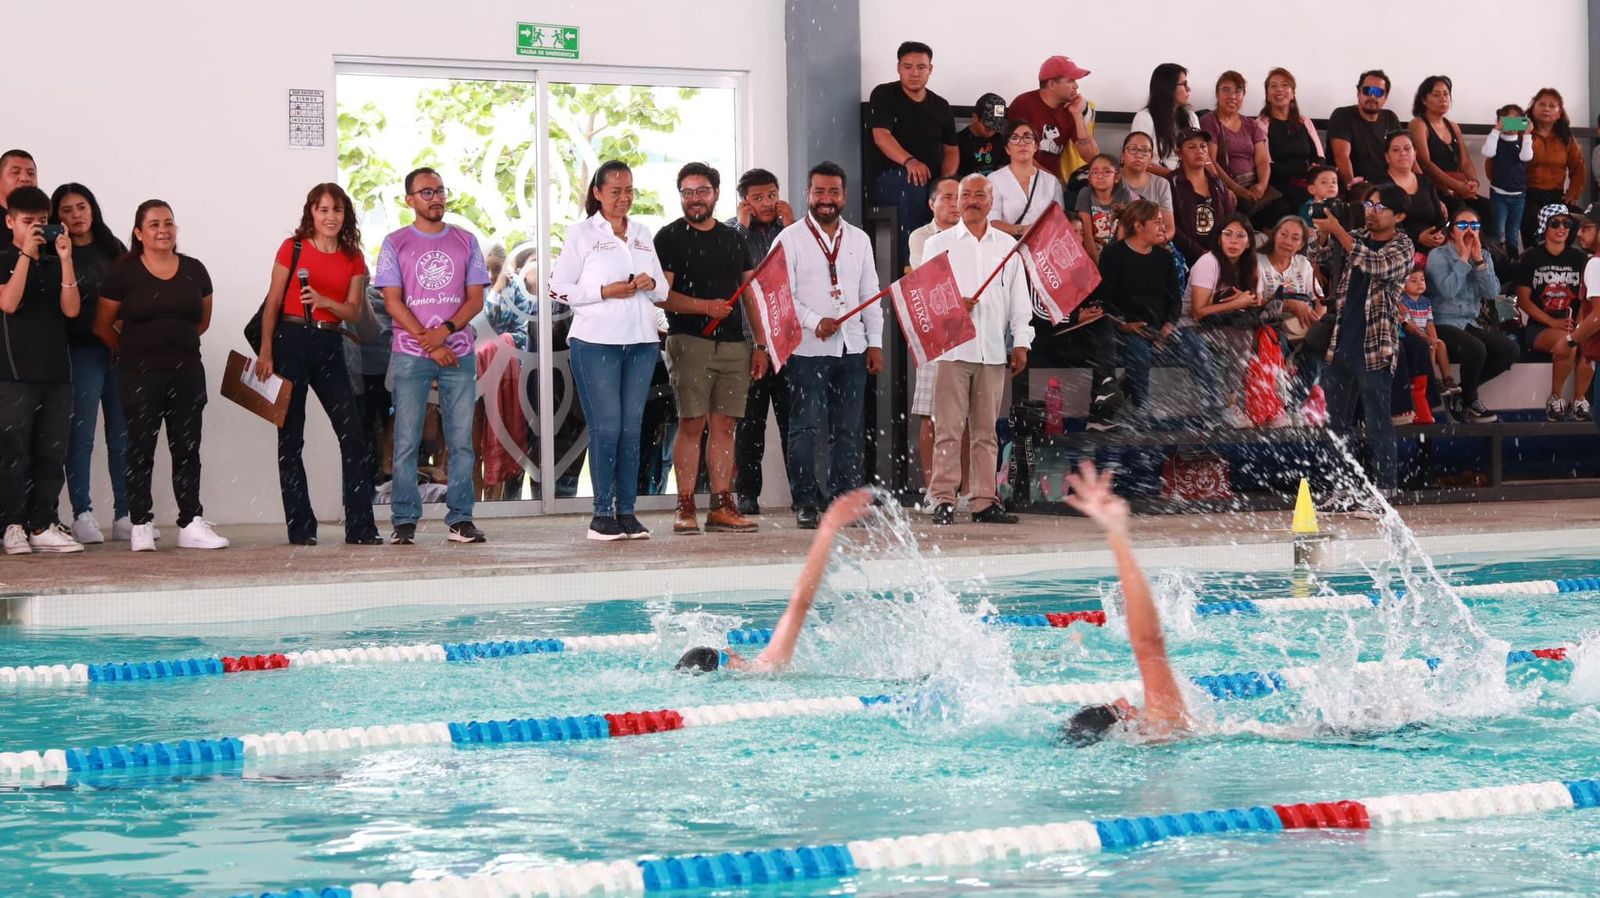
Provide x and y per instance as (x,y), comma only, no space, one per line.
(1483,355)
(175,396)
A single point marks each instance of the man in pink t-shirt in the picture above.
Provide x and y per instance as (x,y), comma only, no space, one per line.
(1058,114)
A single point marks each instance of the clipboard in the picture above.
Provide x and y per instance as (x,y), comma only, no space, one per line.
(268,399)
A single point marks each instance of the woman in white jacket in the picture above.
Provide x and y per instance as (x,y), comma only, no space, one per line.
(609,274)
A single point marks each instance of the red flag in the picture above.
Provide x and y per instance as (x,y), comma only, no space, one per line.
(774,301)
(927,303)
(1062,274)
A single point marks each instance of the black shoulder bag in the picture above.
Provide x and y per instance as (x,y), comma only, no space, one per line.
(252,328)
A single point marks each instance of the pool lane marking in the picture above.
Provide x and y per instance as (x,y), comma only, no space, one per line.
(52,766)
(969,848)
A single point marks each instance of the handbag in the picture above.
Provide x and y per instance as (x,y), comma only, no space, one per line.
(1238,318)
(252,328)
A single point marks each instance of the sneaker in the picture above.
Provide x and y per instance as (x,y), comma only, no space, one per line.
(1236,418)
(927,505)
(994,514)
(122,530)
(54,539)
(632,528)
(403,535)
(807,517)
(197,534)
(605,529)
(142,537)
(466,532)
(945,513)
(373,540)
(1556,409)
(17,541)
(86,531)
(1403,418)
(1478,413)
(1105,400)
(1581,410)
(1449,388)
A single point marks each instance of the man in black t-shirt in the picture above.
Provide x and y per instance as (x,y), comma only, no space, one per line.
(1355,133)
(38,295)
(914,140)
(980,148)
(17,170)
(709,358)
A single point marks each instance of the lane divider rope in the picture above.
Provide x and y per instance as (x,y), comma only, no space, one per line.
(742,869)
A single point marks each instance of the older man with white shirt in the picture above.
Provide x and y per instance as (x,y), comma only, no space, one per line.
(831,271)
(972,376)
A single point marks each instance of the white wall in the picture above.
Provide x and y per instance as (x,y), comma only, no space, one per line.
(1494,52)
(187,101)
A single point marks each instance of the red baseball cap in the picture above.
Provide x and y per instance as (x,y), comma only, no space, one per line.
(1061,67)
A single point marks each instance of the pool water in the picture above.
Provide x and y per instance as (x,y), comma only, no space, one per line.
(969,759)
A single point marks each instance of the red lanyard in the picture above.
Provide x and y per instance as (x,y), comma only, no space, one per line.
(831,255)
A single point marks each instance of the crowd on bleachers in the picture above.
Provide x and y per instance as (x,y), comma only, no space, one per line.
(1372,278)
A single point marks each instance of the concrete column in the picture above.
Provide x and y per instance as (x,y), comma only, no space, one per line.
(823,52)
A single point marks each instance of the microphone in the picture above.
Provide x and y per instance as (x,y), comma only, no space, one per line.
(305,277)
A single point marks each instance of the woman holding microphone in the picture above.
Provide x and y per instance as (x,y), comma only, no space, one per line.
(319,281)
(609,274)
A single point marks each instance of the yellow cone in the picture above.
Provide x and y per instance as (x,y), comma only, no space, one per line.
(1305,515)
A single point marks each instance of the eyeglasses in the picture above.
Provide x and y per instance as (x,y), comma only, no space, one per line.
(1374,91)
(1183,84)
(1374,206)
(433,193)
(690,193)
(1468,225)
(1136,151)
(1020,138)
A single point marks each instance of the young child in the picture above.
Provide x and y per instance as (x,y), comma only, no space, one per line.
(1099,203)
(1505,156)
(1418,320)
(1322,182)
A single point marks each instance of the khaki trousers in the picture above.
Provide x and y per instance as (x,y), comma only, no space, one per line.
(966,395)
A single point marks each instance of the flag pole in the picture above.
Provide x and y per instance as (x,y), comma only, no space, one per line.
(870,300)
(717,322)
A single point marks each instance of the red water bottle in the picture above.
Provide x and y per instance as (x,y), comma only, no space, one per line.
(1055,407)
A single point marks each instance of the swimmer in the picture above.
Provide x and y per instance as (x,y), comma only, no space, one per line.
(1164,716)
(845,510)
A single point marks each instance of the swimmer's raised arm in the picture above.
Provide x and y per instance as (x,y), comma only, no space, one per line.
(1091,495)
(845,510)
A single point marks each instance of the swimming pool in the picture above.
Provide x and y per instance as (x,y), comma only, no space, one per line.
(964,756)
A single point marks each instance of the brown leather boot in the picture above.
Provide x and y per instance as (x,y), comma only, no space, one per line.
(724,516)
(685,524)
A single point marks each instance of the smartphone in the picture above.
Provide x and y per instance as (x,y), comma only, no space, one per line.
(1513,123)
(52,232)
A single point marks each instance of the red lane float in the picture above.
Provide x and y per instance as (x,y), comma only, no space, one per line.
(1324,815)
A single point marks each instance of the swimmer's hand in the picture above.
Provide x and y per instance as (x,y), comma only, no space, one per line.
(846,510)
(1090,495)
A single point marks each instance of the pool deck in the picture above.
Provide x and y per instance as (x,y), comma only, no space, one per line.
(543,560)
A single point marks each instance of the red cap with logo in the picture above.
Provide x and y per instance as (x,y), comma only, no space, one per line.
(1061,67)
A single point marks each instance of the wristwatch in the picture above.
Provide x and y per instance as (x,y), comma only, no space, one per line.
(450,326)
(1570,341)
(761,347)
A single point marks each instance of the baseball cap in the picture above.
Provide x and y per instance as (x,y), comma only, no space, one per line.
(1061,67)
(991,111)
(1188,134)
(1588,215)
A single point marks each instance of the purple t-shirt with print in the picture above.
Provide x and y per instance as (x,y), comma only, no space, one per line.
(433,271)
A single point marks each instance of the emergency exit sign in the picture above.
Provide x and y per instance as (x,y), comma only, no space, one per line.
(548,41)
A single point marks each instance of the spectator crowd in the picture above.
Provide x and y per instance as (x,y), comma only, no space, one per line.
(1292,280)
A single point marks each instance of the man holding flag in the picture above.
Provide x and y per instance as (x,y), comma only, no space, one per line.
(972,376)
(831,271)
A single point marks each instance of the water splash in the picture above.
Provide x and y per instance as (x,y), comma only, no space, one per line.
(1584,686)
(1175,593)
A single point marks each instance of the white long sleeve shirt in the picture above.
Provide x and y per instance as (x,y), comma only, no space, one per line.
(1005,304)
(594,256)
(814,297)
(1491,149)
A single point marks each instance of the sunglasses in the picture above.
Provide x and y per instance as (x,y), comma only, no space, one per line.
(1373,91)
(1468,225)
(1374,206)
(1562,223)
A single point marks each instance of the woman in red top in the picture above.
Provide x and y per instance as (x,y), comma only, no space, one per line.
(314,292)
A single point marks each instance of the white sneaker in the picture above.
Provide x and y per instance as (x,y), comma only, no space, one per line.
(55,540)
(122,530)
(927,505)
(199,535)
(142,537)
(17,541)
(86,531)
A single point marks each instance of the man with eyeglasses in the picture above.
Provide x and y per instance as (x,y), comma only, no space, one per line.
(432,275)
(709,357)
(914,135)
(1356,133)
(1366,335)
(761,217)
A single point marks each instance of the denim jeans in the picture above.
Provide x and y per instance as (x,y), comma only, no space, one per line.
(826,394)
(1508,219)
(613,383)
(1347,384)
(95,391)
(313,360)
(1185,348)
(413,375)
(910,201)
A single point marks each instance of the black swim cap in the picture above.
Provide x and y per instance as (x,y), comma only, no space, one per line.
(1089,725)
(699,660)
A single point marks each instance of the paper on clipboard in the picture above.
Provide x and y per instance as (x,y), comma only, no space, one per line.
(267,389)
(268,397)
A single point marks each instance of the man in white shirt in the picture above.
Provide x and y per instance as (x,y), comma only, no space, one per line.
(972,376)
(831,271)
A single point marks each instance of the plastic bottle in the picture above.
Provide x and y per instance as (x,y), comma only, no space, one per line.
(1055,407)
